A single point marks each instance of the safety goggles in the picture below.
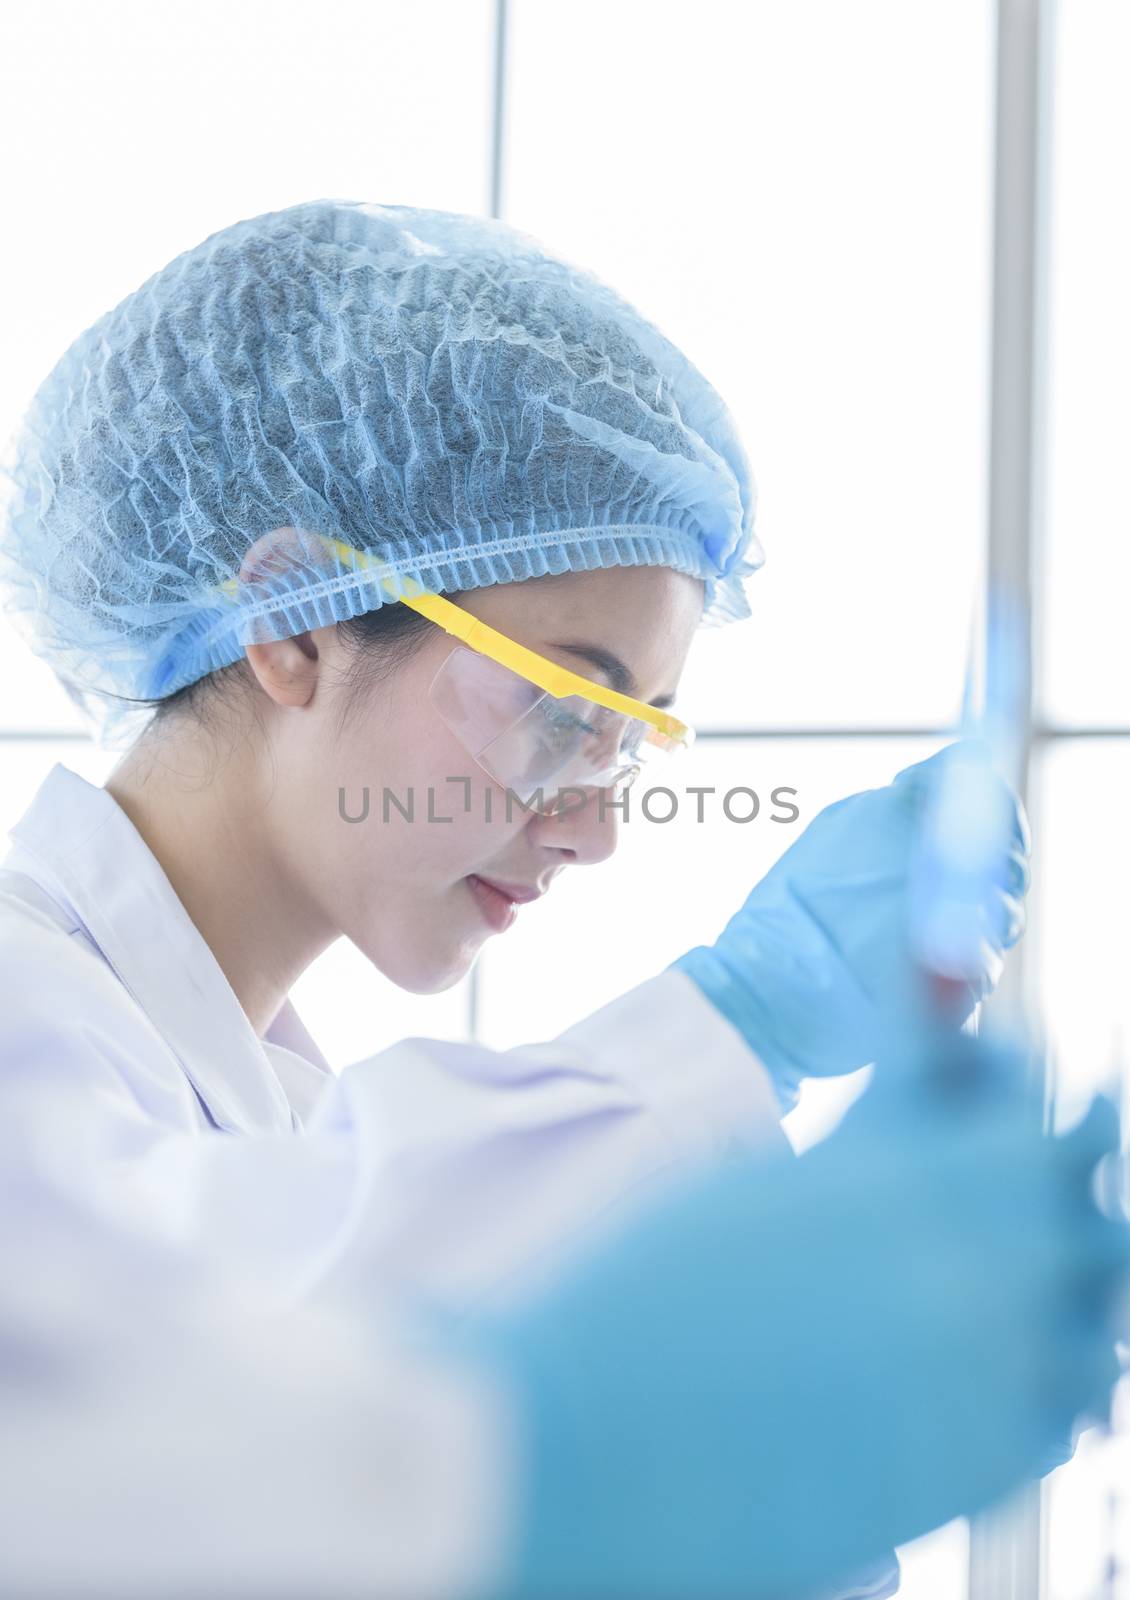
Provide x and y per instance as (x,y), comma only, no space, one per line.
(535,727)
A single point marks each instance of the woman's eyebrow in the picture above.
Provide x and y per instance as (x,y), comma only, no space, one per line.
(615,670)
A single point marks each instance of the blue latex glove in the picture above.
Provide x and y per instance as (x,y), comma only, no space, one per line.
(804,969)
(789,1365)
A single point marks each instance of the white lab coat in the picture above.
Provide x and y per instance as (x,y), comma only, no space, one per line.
(433,1167)
(159,1443)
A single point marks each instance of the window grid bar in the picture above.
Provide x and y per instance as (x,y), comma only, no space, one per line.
(1041,733)
(1006,1546)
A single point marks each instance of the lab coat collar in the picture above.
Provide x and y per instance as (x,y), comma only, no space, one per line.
(84,848)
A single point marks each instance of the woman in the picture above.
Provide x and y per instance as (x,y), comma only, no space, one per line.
(356,495)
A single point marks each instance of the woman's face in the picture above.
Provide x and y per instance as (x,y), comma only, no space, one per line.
(403,888)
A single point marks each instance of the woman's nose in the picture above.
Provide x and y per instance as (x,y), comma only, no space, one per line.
(585,821)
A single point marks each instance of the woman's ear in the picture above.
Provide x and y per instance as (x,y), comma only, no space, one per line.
(286,669)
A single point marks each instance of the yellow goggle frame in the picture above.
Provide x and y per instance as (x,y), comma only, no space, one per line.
(667,731)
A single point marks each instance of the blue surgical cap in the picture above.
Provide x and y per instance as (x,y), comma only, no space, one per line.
(433,390)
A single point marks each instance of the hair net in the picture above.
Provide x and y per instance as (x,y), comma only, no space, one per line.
(431,389)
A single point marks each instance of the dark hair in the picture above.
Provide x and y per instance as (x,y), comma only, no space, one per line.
(378,641)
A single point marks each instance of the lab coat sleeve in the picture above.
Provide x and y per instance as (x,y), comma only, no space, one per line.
(494,1159)
(432,1167)
(680,1058)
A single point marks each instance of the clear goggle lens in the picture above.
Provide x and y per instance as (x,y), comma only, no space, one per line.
(530,741)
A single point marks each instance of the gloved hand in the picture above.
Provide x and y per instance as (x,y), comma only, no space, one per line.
(804,968)
(790,1364)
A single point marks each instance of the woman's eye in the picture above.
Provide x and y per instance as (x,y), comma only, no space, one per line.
(563,722)
(564,731)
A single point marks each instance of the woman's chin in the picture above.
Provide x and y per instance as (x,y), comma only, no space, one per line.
(427,971)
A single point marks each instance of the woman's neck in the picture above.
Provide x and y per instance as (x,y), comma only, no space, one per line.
(204,813)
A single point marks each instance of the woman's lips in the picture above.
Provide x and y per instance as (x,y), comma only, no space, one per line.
(496,909)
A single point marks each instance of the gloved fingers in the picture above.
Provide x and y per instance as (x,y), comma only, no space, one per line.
(1017,872)
(1006,918)
(982,984)
(1013,876)
(1102,1245)
(1096,1135)
(1018,921)
(1097,1247)
(1020,831)
(1098,1296)
(922,775)
(1035,1194)
(929,770)
(924,772)
(1063,1437)
(1077,1378)
(1101,1413)
(1085,1295)
(1022,828)
(1004,921)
